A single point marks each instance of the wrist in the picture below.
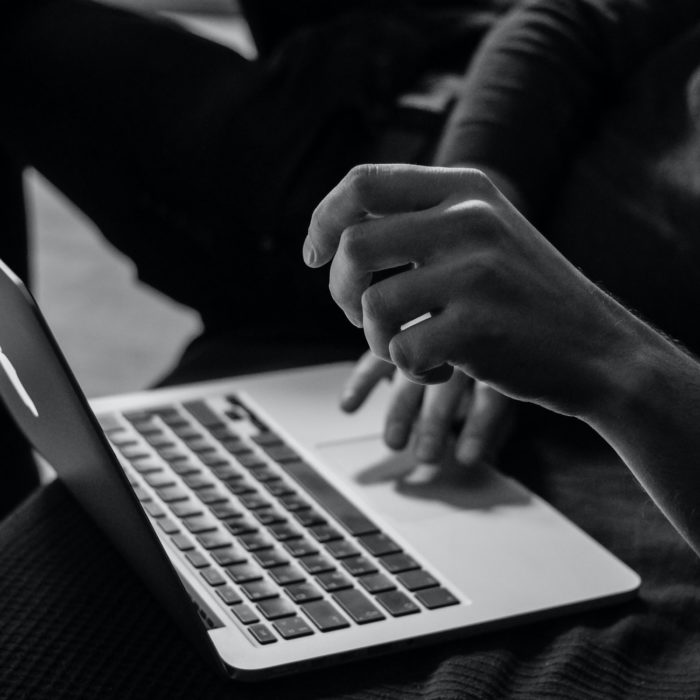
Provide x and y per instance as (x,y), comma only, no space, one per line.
(639,373)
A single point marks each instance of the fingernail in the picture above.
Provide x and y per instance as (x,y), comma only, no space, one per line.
(394,436)
(309,252)
(427,449)
(347,399)
(469,452)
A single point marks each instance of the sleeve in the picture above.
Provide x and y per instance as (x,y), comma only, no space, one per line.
(541,79)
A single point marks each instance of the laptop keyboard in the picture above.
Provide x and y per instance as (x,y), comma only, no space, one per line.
(284,550)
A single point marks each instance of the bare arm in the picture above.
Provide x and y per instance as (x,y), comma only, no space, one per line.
(508,309)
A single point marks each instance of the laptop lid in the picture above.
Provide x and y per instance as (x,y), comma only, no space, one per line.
(44,398)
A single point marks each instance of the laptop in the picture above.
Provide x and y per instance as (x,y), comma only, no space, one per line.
(281,534)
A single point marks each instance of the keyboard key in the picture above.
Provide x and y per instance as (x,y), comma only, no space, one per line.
(109,422)
(267,439)
(280,453)
(212,577)
(293,502)
(197,559)
(278,488)
(213,460)
(225,511)
(141,494)
(248,459)
(154,510)
(268,558)
(199,523)
(170,494)
(276,608)
(227,471)
(166,413)
(376,583)
(184,467)
(132,452)
(325,616)
(186,509)
(168,526)
(185,432)
(345,512)
(269,516)
(284,532)
(198,481)
(292,627)
(255,541)
(242,573)
(159,439)
(358,607)
(436,598)
(253,501)
(379,544)
(334,581)
(317,564)
(284,575)
(223,433)
(172,454)
(303,592)
(357,566)
(263,474)
(226,557)
(148,426)
(212,495)
(341,549)
(236,447)
(325,533)
(259,590)
(240,526)
(245,613)
(182,542)
(262,634)
(415,580)
(397,603)
(300,547)
(396,563)
(309,517)
(199,444)
(228,595)
(239,487)
(214,540)
(147,465)
(159,479)
(204,414)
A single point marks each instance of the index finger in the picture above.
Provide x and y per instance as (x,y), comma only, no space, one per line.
(378,190)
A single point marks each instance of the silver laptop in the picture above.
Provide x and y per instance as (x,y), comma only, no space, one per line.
(282,534)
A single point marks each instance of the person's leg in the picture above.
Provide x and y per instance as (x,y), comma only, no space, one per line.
(125,114)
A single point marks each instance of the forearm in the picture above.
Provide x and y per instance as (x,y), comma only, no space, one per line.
(541,79)
(651,417)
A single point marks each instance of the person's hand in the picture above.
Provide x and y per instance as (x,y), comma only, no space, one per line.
(503,305)
(428,416)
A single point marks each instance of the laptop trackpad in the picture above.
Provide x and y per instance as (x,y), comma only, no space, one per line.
(394,485)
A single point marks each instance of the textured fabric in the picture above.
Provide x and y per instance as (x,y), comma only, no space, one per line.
(76,622)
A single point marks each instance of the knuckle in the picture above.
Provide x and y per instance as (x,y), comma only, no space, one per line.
(360,179)
(337,294)
(477,214)
(352,244)
(375,305)
(477,180)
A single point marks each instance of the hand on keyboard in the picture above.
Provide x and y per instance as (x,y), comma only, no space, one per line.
(428,415)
